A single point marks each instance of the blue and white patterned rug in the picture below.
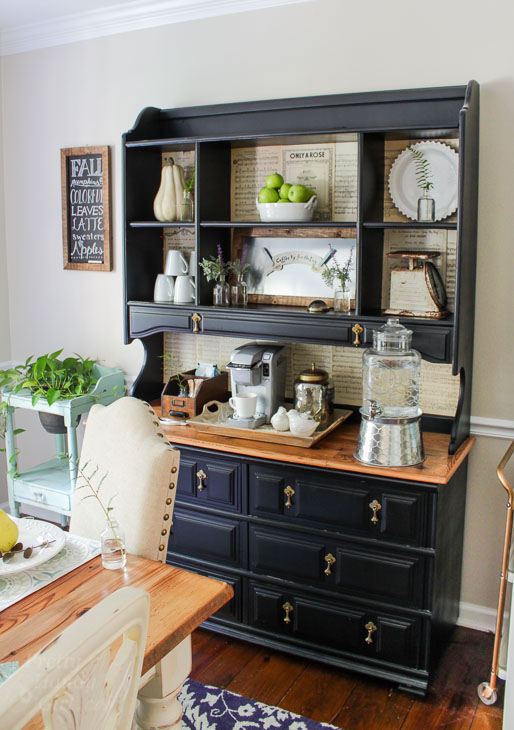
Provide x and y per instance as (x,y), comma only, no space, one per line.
(210,708)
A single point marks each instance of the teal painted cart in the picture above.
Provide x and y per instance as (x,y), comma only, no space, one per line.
(51,484)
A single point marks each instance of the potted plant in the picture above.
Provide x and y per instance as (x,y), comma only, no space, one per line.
(341,275)
(50,378)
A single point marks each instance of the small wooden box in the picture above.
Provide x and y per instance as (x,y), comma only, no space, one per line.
(181,407)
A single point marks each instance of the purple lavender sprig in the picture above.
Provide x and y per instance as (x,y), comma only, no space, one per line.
(220,255)
(215,268)
(239,266)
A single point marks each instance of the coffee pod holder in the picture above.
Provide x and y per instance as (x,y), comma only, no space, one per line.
(179,406)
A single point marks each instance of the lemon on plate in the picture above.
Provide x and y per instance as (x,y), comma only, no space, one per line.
(8,532)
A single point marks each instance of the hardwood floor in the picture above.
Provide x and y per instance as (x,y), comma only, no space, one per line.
(352,701)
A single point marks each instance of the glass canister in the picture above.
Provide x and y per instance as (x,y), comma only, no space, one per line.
(391,373)
(314,394)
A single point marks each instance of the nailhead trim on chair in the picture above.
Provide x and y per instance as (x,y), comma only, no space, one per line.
(166,517)
(172,485)
(161,547)
(164,532)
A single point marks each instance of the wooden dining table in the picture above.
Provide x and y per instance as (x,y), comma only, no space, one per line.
(179,602)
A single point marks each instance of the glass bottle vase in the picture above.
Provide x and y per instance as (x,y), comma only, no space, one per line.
(221,293)
(186,208)
(426,208)
(342,301)
(114,555)
(239,292)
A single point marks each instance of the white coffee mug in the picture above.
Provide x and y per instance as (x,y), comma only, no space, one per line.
(244,404)
(175,263)
(163,289)
(184,289)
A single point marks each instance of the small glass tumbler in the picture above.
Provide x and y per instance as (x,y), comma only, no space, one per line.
(342,301)
(426,208)
(114,555)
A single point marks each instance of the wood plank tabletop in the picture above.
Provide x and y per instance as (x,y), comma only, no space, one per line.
(179,602)
(335,451)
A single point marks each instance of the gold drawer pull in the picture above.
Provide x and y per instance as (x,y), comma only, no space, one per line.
(288,609)
(357,330)
(375,506)
(370,628)
(201,476)
(197,318)
(288,491)
(330,560)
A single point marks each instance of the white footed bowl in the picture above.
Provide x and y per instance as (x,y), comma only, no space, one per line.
(287,212)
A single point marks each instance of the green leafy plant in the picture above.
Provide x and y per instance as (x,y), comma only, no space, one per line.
(190,183)
(214,268)
(423,170)
(336,272)
(49,377)
(170,360)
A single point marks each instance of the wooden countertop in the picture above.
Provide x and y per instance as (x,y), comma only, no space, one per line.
(333,452)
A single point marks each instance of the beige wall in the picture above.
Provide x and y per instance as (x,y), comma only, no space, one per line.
(5,338)
(89,93)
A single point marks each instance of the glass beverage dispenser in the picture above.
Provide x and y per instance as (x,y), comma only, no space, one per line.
(390,432)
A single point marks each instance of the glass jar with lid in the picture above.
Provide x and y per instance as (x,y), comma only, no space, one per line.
(314,394)
(391,373)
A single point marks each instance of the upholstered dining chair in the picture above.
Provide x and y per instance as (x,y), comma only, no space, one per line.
(84,678)
(126,454)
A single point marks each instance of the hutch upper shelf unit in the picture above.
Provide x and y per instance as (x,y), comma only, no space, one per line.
(376,123)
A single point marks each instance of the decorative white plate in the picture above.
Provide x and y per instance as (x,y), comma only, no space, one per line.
(444,163)
(32,533)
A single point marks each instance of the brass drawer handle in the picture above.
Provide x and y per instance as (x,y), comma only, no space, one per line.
(197,318)
(288,491)
(370,628)
(357,330)
(375,506)
(288,609)
(201,476)
(330,560)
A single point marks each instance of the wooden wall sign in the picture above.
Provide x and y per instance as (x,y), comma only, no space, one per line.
(86,208)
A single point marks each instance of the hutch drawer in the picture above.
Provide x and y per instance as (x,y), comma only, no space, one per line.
(372,635)
(352,569)
(210,481)
(146,320)
(208,537)
(372,508)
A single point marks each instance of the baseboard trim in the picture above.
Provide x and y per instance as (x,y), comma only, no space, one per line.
(473,616)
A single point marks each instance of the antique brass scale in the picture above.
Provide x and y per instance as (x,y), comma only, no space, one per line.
(417,290)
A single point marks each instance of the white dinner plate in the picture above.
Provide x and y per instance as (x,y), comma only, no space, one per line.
(32,533)
(444,163)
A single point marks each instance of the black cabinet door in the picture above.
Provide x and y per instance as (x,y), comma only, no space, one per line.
(392,576)
(208,537)
(210,481)
(338,501)
(376,636)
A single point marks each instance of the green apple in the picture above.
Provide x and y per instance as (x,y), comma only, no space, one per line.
(274,181)
(268,195)
(299,194)
(311,193)
(284,191)
(283,200)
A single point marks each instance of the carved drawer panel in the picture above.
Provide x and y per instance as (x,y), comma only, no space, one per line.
(381,574)
(210,481)
(329,500)
(208,537)
(374,636)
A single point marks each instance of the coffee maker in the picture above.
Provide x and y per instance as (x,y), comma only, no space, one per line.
(260,368)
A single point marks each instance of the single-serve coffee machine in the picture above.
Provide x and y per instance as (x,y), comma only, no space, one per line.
(257,375)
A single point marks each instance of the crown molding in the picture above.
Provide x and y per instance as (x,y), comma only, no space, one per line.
(122,18)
